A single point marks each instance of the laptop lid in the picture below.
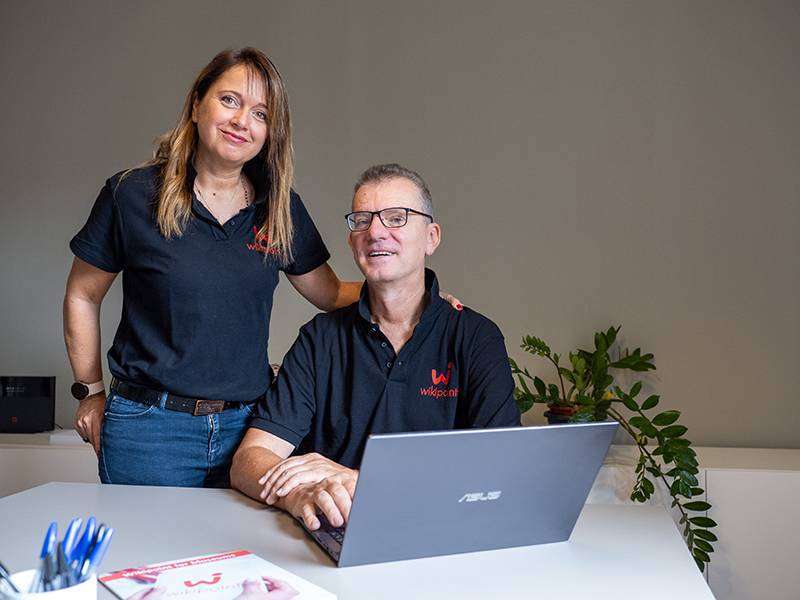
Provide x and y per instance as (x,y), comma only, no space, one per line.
(446,492)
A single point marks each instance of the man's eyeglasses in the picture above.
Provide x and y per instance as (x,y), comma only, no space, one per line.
(390,217)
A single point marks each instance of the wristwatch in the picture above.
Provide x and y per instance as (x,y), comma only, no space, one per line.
(82,390)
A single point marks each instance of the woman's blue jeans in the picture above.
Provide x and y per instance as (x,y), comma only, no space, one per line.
(150,445)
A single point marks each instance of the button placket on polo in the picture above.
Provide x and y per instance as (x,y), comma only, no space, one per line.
(386,354)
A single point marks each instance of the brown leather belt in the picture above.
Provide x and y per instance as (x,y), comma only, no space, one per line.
(195,406)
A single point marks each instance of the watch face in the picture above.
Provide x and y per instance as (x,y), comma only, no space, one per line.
(79,390)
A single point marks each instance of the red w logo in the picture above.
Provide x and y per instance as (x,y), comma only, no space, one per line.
(445,379)
(261,243)
(215,579)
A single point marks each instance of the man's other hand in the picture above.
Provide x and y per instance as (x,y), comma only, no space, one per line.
(333,497)
(281,479)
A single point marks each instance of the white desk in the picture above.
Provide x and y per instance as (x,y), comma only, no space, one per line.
(615,551)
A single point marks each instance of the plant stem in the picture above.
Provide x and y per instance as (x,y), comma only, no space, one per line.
(561,379)
(621,420)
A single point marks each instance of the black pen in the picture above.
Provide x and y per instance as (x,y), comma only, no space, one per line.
(4,574)
(64,570)
(49,571)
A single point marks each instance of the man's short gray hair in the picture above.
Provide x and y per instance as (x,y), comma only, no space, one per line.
(379,173)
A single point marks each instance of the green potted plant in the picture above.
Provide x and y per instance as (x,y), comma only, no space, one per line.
(586,392)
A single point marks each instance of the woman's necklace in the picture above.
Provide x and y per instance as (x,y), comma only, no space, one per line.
(245,202)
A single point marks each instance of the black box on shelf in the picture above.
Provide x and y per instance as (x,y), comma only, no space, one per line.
(27,404)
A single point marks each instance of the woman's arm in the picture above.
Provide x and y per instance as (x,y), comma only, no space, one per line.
(86,287)
(323,288)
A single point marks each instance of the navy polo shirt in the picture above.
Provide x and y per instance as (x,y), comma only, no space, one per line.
(342,380)
(196,308)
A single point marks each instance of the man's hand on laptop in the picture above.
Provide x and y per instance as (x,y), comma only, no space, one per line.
(281,479)
(333,496)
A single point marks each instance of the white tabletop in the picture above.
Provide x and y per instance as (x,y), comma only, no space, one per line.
(614,552)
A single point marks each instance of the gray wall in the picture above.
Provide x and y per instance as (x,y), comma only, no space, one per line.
(629,163)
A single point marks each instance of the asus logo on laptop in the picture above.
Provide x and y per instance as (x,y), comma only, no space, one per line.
(480,496)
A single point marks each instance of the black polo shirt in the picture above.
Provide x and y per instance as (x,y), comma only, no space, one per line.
(196,308)
(341,380)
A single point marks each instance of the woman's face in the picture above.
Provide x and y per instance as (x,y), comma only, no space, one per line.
(232,118)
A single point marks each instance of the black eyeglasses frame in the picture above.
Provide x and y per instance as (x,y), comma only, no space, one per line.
(372,214)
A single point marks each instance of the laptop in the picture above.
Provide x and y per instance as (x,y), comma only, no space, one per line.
(446,492)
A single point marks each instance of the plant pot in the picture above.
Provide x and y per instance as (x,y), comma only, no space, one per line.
(558,414)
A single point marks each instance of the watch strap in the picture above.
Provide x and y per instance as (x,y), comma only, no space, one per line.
(95,388)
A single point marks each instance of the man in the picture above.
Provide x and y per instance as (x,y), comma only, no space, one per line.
(400,359)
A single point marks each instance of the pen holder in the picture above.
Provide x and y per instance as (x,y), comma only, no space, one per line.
(86,590)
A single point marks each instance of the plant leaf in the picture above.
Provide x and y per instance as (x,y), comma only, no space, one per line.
(535,345)
(644,425)
(630,404)
(703,545)
(524,401)
(703,522)
(700,564)
(674,431)
(650,402)
(600,342)
(697,506)
(679,443)
(668,417)
(699,554)
(540,386)
(705,534)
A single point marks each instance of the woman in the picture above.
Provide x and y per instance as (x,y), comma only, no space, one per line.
(199,233)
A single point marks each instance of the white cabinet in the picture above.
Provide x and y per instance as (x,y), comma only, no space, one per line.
(758,512)
(28,460)
(755,498)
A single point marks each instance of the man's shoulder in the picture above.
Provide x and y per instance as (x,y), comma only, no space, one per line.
(473,325)
(329,325)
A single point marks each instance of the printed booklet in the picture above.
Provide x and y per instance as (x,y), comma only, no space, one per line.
(229,576)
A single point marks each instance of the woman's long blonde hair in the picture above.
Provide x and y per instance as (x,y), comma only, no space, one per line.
(174,151)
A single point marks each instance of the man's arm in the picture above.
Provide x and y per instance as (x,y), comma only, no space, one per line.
(282,418)
(262,470)
(258,452)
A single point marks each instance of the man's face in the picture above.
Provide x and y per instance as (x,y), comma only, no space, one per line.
(391,254)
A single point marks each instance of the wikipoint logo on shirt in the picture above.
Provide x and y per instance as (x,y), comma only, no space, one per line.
(439,379)
(261,244)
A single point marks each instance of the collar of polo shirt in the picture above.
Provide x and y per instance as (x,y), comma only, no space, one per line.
(431,294)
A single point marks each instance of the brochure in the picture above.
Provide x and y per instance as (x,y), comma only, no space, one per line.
(229,576)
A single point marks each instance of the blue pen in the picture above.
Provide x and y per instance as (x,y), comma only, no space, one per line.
(70,536)
(65,574)
(47,547)
(82,546)
(97,553)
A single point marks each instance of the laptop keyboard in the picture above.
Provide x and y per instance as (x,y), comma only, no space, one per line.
(336,533)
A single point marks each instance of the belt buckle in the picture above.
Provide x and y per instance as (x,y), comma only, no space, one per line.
(208,407)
